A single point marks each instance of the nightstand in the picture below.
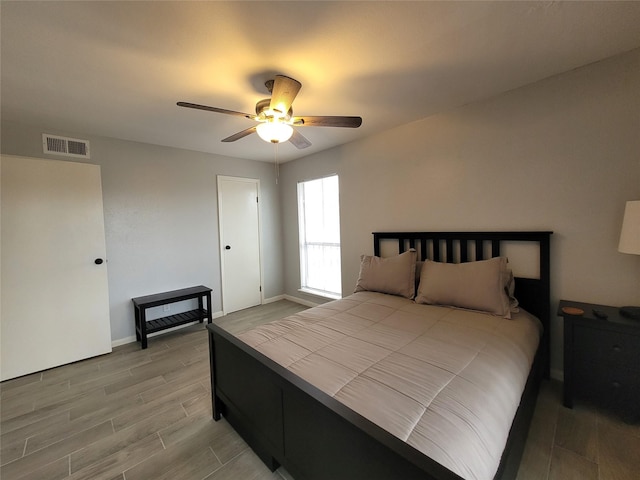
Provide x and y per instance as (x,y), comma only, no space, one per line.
(602,359)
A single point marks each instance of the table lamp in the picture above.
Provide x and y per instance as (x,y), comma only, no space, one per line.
(630,243)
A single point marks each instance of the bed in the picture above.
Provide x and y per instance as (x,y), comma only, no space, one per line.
(305,393)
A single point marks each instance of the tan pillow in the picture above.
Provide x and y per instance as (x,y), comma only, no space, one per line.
(474,285)
(392,275)
(509,288)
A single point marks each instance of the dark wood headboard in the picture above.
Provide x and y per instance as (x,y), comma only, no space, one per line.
(534,294)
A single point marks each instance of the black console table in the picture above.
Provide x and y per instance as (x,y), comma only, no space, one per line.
(141,304)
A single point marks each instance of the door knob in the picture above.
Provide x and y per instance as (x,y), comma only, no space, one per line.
(228,247)
(98,261)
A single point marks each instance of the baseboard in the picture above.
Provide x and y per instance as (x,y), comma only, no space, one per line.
(291,298)
(122,341)
(277,298)
(132,339)
(301,301)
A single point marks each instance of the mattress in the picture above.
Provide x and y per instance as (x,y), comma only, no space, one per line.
(446,381)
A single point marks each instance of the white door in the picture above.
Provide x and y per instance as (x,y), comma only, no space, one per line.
(239,225)
(55,301)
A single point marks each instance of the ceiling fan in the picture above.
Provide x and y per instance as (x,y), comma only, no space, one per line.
(275,115)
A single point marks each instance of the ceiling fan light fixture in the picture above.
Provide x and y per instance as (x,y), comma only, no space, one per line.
(274,132)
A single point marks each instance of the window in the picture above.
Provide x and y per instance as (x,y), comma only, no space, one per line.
(319,223)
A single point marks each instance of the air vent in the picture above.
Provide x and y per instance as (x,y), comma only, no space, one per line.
(69,147)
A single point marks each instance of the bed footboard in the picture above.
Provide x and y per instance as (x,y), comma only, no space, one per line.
(288,422)
(247,395)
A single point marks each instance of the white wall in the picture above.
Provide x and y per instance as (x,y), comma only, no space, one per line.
(161,217)
(562,154)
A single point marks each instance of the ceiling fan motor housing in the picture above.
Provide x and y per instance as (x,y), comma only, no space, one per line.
(263,111)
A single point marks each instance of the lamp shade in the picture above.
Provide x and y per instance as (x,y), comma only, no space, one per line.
(630,234)
(274,132)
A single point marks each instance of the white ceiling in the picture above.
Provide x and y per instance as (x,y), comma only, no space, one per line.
(117,69)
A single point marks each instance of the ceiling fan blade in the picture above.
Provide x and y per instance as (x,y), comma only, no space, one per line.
(283,93)
(213,109)
(299,140)
(349,122)
(239,135)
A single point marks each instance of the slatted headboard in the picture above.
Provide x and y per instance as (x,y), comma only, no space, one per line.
(534,294)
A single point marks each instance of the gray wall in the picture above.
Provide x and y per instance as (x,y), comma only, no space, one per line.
(161,217)
(562,154)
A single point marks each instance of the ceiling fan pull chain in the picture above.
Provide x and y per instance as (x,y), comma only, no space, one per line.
(275,145)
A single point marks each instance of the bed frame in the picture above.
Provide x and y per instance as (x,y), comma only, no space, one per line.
(288,422)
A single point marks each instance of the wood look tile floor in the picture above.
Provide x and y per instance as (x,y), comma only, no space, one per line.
(146,414)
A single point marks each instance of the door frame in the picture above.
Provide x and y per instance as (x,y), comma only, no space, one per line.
(256,182)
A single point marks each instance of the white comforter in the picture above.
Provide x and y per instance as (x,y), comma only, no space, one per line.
(446,381)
